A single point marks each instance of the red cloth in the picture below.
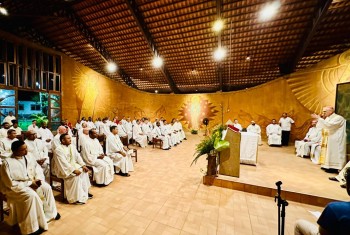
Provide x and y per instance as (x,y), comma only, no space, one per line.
(233,128)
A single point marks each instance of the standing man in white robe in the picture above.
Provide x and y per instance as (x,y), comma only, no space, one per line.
(237,125)
(68,165)
(255,128)
(9,118)
(5,144)
(313,136)
(38,151)
(119,153)
(29,197)
(92,153)
(46,136)
(138,135)
(158,134)
(286,125)
(180,129)
(274,132)
(336,146)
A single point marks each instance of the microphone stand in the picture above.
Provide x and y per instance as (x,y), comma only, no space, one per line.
(281,213)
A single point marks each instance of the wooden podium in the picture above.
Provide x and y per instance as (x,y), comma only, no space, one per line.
(230,157)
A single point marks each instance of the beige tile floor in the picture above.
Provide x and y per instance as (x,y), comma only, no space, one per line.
(166,196)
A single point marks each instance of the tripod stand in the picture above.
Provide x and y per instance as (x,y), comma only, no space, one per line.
(281,213)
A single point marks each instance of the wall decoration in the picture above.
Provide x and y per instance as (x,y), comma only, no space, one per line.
(342,107)
(193,112)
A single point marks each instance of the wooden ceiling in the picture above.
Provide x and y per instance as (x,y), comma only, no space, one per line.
(132,32)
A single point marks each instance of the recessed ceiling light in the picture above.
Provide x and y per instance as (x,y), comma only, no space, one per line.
(156,91)
(219,54)
(3,11)
(218,25)
(111,67)
(269,10)
(247,58)
(157,62)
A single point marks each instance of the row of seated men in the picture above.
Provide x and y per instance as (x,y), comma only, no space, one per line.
(25,171)
(140,130)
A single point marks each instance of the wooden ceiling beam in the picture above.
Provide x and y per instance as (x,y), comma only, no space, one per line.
(133,8)
(320,13)
(94,42)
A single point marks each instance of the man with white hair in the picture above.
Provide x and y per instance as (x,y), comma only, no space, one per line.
(255,128)
(335,125)
(313,136)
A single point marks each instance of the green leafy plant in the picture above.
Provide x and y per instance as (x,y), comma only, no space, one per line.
(40,118)
(194,132)
(211,144)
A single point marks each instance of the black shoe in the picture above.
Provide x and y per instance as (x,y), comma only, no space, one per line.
(79,203)
(90,196)
(330,170)
(167,149)
(37,232)
(58,216)
(185,139)
(333,178)
(343,185)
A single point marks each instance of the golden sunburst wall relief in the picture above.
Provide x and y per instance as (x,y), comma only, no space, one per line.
(195,110)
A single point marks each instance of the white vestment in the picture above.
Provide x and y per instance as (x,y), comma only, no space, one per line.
(341,177)
(147,131)
(18,130)
(29,208)
(34,128)
(9,119)
(5,147)
(104,129)
(158,134)
(46,134)
(103,168)
(180,129)
(38,151)
(165,132)
(336,144)
(114,147)
(128,127)
(138,136)
(90,124)
(274,133)
(303,147)
(3,133)
(121,130)
(238,126)
(255,129)
(67,159)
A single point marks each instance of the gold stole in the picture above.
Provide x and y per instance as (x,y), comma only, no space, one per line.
(324,143)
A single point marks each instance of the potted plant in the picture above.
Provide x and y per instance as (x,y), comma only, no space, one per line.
(210,146)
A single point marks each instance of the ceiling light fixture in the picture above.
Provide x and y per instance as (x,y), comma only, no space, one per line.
(156,91)
(3,11)
(111,67)
(157,62)
(269,11)
(219,53)
(248,58)
(218,25)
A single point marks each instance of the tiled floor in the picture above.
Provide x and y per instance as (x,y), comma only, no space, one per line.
(166,196)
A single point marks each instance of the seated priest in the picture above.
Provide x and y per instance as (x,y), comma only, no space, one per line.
(92,154)
(29,197)
(180,129)
(274,133)
(68,165)
(158,134)
(147,130)
(313,136)
(119,153)
(138,135)
(16,128)
(255,128)
(128,128)
(3,131)
(56,140)
(34,127)
(121,130)
(5,144)
(166,132)
(334,220)
(38,151)
(237,125)
(46,136)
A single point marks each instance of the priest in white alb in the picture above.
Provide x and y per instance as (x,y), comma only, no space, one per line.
(30,199)
(46,136)
(255,128)
(138,135)
(92,154)
(39,152)
(158,134)
(313,136)
(335,124)
(274,133)
(68,165)
(5,144)
(119,153)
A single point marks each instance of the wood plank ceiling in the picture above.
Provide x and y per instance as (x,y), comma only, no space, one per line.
(132,32)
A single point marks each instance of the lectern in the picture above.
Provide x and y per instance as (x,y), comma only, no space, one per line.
(230,157)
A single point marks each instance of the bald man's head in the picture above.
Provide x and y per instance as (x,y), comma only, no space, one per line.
(327,111)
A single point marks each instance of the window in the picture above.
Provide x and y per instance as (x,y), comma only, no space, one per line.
(35,107)
(20,107)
